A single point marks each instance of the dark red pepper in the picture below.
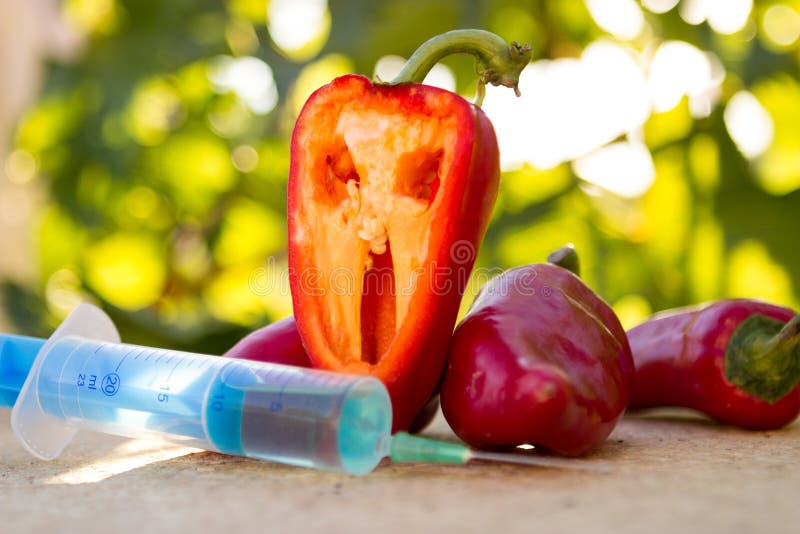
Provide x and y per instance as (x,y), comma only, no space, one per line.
(539,359)
(278,342)
(736,360)
(390,191)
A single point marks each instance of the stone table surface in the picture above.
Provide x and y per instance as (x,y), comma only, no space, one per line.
(671,472)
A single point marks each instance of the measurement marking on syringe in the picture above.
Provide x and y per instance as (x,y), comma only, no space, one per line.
(280,374)
(169,376)
(120,362)
(277,405)
(194,361)
(124,358)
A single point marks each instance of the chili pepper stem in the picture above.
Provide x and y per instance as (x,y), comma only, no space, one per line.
(763,357)
(566,257)
(499,63)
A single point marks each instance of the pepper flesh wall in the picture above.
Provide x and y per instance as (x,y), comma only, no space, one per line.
(390,193)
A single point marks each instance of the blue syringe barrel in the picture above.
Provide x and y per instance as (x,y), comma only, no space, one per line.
(287,414)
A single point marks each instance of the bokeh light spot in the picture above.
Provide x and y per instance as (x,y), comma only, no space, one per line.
(154,111)
(778,168)
(126,269)
(387,67)
(249,78)
(197,167)
(703,157)
(660,6)
(528,186)
(624,168)
(249,231)
(101,17)
(299,28)
(753,273)
(190,256)
(749,124)
(50,122)
(252,10)
(632,310)
(621,18)
(706,259)
(668,209)
(679,68)
(669,126)
(245,158)
(229,296)
(142,202)
(241,37)
(724,16)
(781,24)
(20,167)
(63,292)
(315,75)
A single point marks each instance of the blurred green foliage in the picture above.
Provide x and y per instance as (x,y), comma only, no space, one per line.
(167,181)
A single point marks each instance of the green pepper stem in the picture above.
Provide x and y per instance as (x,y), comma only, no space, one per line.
(566,257)
(763,357)
(499,63)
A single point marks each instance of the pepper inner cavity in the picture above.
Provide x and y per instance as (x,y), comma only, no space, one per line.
(378,310)
(387,170)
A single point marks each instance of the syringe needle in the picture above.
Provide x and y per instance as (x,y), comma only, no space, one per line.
(541,461)
(407,448)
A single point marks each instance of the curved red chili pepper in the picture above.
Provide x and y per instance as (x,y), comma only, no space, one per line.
(735,360)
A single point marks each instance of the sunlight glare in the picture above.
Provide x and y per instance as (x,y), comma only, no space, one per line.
(569,107)
(127,457)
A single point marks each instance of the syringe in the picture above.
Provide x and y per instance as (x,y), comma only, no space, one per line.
(84,378)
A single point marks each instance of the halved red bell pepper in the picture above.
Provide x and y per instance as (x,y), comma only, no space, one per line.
(390,192)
